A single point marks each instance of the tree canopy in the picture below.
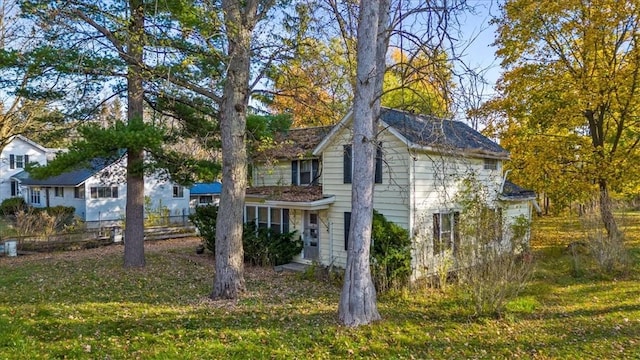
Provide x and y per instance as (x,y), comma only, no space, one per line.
(571,83)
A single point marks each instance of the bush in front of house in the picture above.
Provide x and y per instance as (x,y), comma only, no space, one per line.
(10,206)
(204,219)
(262,247)
(265,246)
(64,215)
(390,254)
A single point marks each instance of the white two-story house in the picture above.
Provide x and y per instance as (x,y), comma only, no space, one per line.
(14,157)
(421,162)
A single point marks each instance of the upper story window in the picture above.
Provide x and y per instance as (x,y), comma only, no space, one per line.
(102,192)
(178,191)
(18,161)
(305,172)
(491,164)
(347,164)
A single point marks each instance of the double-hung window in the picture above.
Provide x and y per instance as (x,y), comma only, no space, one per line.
(18,161)
(446,235)
(78,192)
(305,172)
(347,164)
(34,196)
(178,191)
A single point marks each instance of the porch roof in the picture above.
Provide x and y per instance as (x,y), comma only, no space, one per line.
(301,197)
(511,191)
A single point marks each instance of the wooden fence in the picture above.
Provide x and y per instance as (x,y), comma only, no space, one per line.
(92,237)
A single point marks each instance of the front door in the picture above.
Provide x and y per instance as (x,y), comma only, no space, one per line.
(311,235)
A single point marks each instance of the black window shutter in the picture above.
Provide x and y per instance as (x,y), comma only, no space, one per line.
(436,234)
(14,188)
(315,164)
(294,172)
(285,220)
(347,226)
(378,176)
(12,161)
(114,192)
(346,165)
(26,160)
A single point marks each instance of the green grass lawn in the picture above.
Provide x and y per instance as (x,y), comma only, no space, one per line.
(84,305)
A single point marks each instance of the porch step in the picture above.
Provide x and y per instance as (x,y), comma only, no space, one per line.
(293,267)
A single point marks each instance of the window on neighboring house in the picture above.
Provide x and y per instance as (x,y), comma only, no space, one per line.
(103,192)
(347,226)
(15,188)
(18,161)
(490,164)
(347,164)
(304,172)
(205,199)
(445,232)
(78,192)
(58,191)
(268,217)
(34,196)
(178,191)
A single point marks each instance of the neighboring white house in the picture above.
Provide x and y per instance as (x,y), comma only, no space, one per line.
(14,157)
(305,185)
(98,194)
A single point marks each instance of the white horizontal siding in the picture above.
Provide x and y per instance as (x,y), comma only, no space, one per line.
(391,198)
(17,146)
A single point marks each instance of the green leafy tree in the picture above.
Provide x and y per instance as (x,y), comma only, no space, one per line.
(90,43)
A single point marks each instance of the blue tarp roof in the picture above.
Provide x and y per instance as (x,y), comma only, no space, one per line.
(206,188)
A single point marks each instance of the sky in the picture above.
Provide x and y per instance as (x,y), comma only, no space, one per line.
(480,34)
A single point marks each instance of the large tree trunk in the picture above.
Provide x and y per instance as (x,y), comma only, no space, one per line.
(596,120)
(229,277)
(606,212)
(134,230)
(358,298)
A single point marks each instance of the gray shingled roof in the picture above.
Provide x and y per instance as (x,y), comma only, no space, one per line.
(513,191)
(429,131)
(294,143)
(70,178)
